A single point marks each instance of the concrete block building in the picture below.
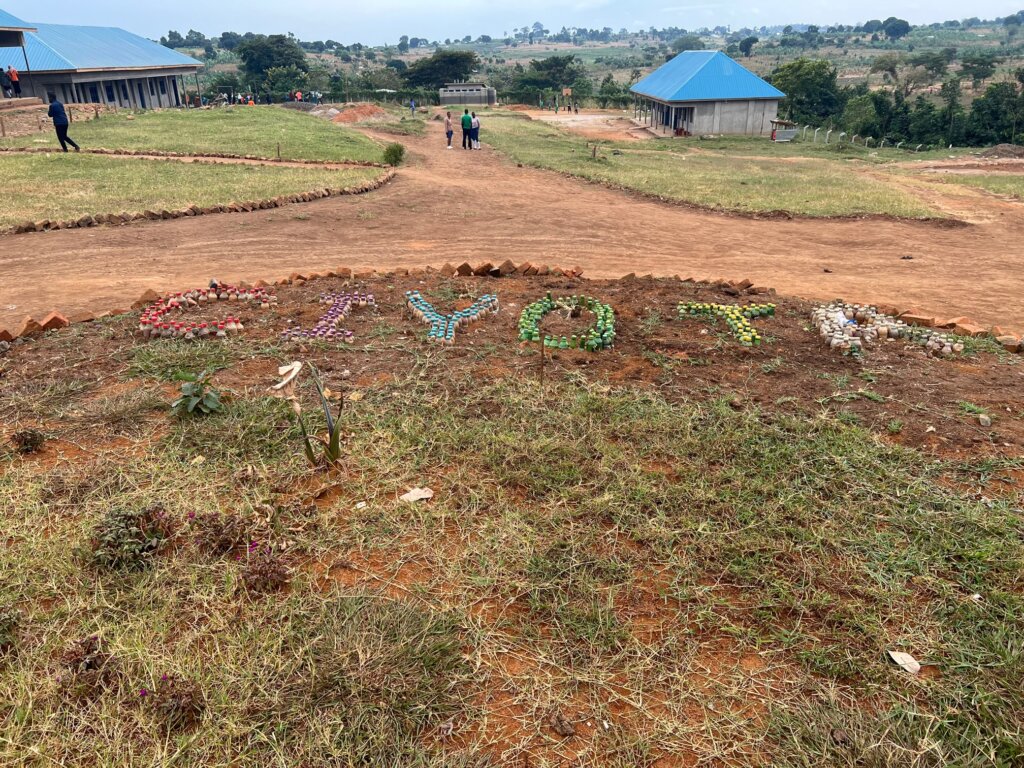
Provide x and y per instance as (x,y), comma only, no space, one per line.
(95,65)
(705,92)
(468,94)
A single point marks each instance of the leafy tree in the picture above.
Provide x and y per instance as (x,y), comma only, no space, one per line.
(195,39)
(811,88)
(280,81)
(263,53)
(952,112)
(173,40)
(230,40)
(997,116)
(443,67)
(552,73)
(398,65)
(687,43)
(895,28)
(611,92)
(979,66)
(861,117)
(747,45)
(403,44)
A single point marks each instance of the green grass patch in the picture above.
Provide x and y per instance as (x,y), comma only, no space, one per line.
(1009,184)
(69,186)
(817,186)
(239,130)
(589,551)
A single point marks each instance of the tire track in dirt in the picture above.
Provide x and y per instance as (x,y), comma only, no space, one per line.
(456,205)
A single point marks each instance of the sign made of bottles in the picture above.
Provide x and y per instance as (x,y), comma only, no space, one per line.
(848,328)
(328,328)
(736,317)
(601,335)
(159,319)
(443,327)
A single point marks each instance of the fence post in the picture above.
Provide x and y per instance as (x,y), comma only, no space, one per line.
(827,134)
(805,132)
(882,144)
(900,144)
(816,135)
(854,139)
(918,147)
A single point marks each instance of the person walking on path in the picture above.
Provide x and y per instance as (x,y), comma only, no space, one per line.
(5,84)
(449,131)
(60,124)
(467,130)
(412,107)
(474,131)
(15,82)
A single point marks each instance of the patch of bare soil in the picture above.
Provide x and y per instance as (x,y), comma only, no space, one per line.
(359,113)
(454,206)
(1004,150)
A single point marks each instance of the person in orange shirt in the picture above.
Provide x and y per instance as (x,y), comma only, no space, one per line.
(298,95)
(15,83)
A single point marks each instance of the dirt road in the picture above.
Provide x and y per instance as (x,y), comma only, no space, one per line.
(470,206)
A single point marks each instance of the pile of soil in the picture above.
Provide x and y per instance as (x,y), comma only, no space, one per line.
(1001,151)
(359,113)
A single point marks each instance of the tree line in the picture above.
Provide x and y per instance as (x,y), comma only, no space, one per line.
(996,115)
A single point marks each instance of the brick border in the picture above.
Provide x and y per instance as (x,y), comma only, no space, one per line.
(92,220)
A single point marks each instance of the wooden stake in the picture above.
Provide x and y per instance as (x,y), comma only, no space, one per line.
(3,128)
(542,345)
(279,150)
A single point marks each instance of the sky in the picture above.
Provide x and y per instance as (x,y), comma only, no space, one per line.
(383,21)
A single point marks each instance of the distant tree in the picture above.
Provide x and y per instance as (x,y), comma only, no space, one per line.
(485,38)
(440,68)
(415,42)
(870,27)
(979,66)
(230,40)
(553,73)
(811,88)
(747,45)
(398,65)
(611,93)
(997,116)
(195,39)
(208,51)
(403,44)
(895,28)
(687,43)
(173,40)
(952,112)
(280,81)
(263,53)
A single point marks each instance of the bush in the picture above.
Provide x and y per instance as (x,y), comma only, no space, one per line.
(196,398)
(87,668)
(264,570)
(394,154)
(176,704)
(127,539)
(219,534)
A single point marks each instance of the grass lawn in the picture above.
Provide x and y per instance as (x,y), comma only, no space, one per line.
(238,130)
(812,186)
(60,186)
(678,578)
(1009,184)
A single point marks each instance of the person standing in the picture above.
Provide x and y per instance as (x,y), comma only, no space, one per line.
(5,84)
(15,82)
(467,130)
(449,131)
(412,107)
(60,124)
(475,131)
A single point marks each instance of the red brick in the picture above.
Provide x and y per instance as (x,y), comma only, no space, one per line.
(29,328)
(53,321)
(464,269)
(970,329)
(923,320)
(6,335)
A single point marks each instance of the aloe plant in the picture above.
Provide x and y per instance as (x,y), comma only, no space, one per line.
(331,444)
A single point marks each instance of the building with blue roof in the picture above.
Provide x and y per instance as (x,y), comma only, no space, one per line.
(702,92)
(96,65)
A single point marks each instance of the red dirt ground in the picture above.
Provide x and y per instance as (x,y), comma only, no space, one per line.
(459,206)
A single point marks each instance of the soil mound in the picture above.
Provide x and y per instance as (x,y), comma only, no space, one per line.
(1004,151)
(359,113)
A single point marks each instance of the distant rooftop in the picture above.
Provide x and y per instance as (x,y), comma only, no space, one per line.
(63,47)
(704,76)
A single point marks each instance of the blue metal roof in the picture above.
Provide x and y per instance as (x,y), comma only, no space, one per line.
(61,47)
(704,76)
(9,21)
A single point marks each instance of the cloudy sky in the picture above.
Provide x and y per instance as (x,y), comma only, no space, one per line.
(383,21)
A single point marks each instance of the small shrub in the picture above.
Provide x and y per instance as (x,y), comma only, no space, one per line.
(126,539)
(176,704)
(196,398)
(87,668)
(264,570)
(394,153)
(28,441)
(9,620)
(218,534)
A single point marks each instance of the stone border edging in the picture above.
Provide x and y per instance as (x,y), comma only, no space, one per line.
(92,220)
(959,325)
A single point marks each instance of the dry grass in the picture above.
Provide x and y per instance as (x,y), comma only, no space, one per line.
(60,186)
(821,185)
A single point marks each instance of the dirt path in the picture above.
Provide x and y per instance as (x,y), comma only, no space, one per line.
(462,206)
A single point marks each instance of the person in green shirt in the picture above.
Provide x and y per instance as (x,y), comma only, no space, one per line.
(467,130)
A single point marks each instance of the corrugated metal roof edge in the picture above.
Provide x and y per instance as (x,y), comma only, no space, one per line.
(708,60)
(701,101)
